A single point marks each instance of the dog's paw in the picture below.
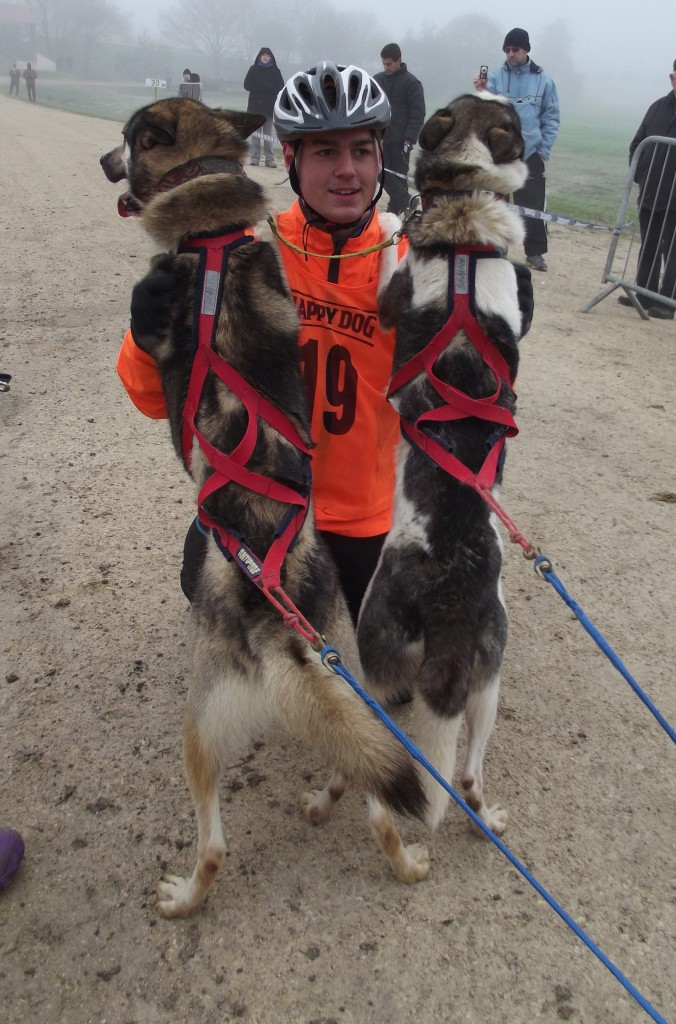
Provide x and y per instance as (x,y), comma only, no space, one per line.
(413,865)
(173,897)
(317,805)
(495,818)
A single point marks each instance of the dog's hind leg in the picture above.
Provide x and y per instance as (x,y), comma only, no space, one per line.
(178,897)
(321,708)
(409,863)
(480,713)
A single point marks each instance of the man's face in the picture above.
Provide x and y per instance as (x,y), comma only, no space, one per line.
(390,66)
(516,56)
(186,76)
(265,58)
(337,171)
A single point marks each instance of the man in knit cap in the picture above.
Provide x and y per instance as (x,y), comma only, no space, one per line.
(534,97)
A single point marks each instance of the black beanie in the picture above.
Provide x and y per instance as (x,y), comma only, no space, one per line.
(517,37)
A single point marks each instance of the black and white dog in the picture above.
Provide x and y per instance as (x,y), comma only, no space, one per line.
(433,620)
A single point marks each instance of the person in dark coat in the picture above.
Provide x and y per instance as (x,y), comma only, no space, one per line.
(656,178)
(263,81)
(30,74)
(407,101)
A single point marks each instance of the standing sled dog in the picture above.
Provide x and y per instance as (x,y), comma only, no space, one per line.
(240,425)
(433,620)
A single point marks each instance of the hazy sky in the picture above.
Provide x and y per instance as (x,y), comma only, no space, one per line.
(634,41)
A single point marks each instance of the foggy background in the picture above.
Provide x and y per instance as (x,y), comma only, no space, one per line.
(619,58)
(617,53)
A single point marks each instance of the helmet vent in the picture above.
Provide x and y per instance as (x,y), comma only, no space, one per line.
(354,88)
(305,93)
(330,92)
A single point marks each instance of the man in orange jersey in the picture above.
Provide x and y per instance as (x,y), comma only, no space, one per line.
(330,121)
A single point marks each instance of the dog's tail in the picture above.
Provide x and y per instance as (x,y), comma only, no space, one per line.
(322,709)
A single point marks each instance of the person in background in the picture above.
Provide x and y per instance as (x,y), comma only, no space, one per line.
(14,79)
(656,178)
(407,100)
(533,95)
(191,86)
(30,74)
(263,81)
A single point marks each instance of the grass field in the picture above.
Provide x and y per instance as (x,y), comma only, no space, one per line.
(586,173)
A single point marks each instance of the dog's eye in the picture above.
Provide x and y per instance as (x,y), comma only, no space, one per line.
(147,141)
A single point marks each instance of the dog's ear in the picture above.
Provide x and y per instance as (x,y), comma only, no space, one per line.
(244,124)
(436,129)
(505,144)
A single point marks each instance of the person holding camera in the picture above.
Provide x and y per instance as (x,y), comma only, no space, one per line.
(407,102)
(533,96)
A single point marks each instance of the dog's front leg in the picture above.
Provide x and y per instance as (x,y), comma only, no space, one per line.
(178,897)
(319,803)
(480,713)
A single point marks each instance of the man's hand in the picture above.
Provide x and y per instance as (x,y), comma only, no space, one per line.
(406,148)
(479,83)
(151,303)
(525,296)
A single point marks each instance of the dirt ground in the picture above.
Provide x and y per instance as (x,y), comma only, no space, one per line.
(307,925)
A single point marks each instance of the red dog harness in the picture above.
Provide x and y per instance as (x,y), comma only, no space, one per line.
(457,404)
(214,253)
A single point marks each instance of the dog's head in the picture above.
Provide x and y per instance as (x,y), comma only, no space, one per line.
(473,143)
(172,141)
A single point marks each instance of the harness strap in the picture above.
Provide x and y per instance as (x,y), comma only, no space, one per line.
(214,254)
(459,405)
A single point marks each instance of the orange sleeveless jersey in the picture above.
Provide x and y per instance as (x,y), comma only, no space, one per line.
(346,360)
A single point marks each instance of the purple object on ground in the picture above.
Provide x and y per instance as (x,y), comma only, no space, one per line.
(11,853)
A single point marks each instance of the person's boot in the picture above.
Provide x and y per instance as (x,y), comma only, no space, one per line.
(537,263)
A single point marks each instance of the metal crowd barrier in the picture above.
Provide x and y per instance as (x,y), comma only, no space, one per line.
(628,256)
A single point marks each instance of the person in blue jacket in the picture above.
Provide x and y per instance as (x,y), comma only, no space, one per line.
(533,95)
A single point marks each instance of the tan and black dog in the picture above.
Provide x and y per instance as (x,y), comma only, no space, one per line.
(183,165)
(433,620)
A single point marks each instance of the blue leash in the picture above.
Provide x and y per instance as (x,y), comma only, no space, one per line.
(543,567)
(331,659)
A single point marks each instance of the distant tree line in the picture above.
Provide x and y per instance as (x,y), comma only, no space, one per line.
(225,35)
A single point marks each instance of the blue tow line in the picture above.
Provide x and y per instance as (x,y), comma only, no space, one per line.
(331,659)
(543,567)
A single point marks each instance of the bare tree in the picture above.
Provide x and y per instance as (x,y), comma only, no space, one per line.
(554,49)
(210,26)
(99,19)
(65,24)
(446,59)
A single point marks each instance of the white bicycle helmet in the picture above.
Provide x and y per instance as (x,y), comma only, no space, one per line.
(330,97)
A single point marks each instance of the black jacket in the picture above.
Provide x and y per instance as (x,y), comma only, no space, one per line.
(263,82)
(407,100)
(656,179)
